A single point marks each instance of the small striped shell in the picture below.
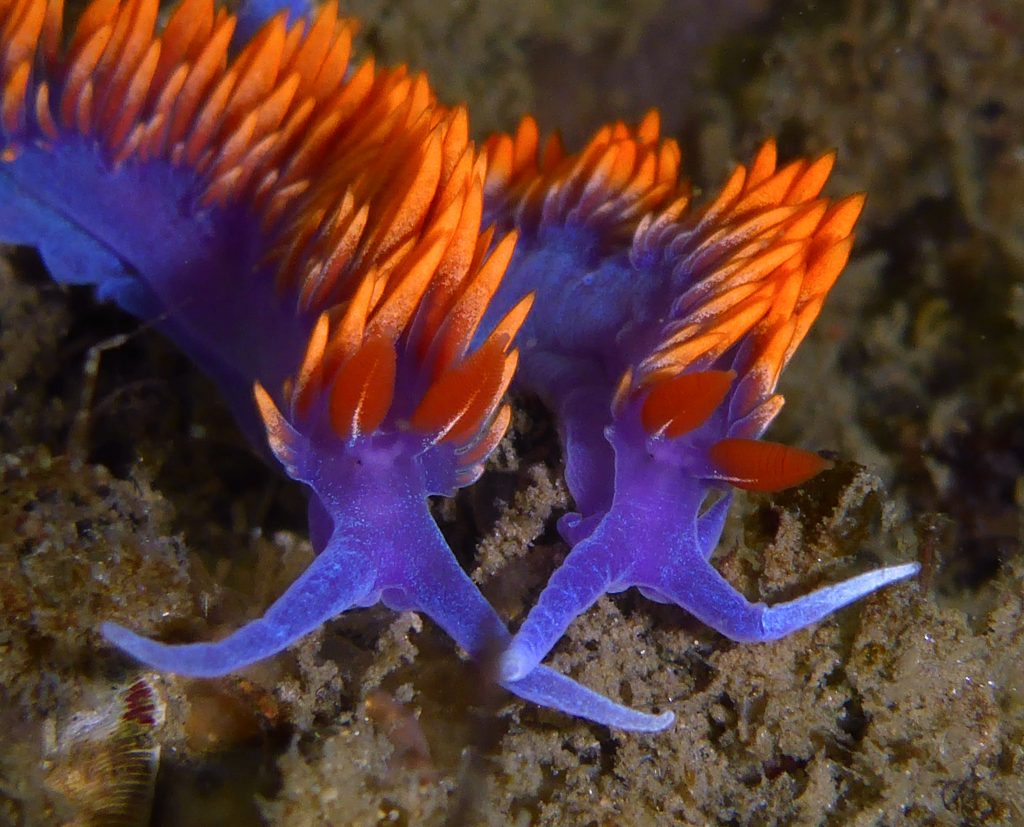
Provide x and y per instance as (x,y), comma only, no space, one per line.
(105,761)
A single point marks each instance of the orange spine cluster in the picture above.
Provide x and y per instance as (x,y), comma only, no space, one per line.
(621,175)
(177,96)
(354,354)
(758,261)
(328,163)
(747,274)
(755,264)
(368,194)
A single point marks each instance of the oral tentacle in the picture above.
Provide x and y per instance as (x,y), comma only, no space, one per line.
(711,523)
(704,593)
(545,687)
(340,577)
(436,585)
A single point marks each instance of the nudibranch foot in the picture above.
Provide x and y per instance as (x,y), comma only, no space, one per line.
(436,585)
(542,686)
(647,540)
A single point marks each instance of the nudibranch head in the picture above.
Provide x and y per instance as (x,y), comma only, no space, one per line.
(689,315)
(679,318)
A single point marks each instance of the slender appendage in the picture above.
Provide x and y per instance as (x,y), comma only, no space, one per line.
(589,461)
(702,591)
(589,466)
(429,579)
(590,570)
(575,528)
(452,600)
(339,578)
(321,524)
(548,688)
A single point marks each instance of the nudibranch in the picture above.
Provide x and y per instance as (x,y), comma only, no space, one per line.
(303,227)
(658,338)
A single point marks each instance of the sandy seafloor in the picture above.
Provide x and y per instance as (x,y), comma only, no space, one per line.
(905,709)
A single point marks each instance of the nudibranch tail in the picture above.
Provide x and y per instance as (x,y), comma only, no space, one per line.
(726,293)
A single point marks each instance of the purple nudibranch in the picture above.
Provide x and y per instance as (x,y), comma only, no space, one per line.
(658,337)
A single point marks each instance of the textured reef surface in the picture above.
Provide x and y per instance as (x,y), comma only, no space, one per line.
(127,493)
